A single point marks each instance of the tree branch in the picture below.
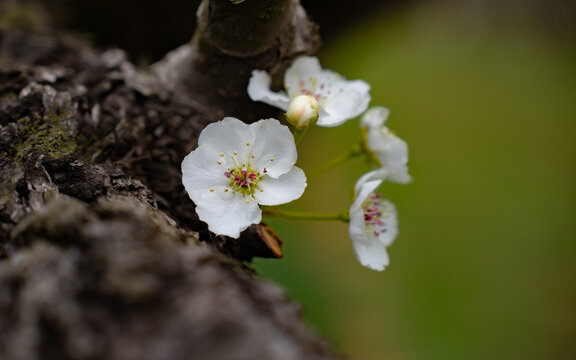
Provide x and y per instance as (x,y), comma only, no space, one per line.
(101,253)
(231,40)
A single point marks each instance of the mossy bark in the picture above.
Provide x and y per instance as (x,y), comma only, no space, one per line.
(101,253)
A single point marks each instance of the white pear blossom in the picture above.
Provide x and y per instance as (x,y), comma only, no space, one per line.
(388,150)
(237,166)
(339,99)
(373,222)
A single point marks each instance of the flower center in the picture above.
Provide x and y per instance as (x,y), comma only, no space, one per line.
(243,178)
(373,215)
(312,87)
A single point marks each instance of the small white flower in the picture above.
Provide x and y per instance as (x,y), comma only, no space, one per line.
(373,222)
(387,149)
(339,99)
(238,166)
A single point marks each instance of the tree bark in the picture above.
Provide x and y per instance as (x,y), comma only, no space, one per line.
(101,253)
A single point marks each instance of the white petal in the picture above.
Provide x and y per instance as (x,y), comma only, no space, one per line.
(363,188)
(282,190)
(375,117)
(302,68)
(391,147)
(201,172)
(400,176)
(369,253)
(370,247)
(396,159)
(227,213)
(356,228)
(259,90)
(372,255)
(375,177)
(228,135)
(348,100)
(390,219)
(274,147)
(392,153)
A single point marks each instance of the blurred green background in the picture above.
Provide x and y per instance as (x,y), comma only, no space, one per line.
(484,266)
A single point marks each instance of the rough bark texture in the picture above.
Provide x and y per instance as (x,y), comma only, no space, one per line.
(101,253)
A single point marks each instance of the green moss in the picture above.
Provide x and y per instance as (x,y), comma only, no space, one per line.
(48,134)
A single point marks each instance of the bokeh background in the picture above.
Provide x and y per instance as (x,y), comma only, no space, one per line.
(484,266)
(484,92)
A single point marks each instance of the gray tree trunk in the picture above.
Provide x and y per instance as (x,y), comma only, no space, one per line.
(101,253)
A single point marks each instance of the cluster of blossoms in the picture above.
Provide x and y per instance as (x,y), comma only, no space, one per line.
(237,167)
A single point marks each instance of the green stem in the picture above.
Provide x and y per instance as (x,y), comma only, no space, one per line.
(299,134)
(354,151)
(299,215)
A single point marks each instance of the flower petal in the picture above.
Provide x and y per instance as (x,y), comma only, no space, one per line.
(376,177)
(393,154)
(201,172)
(302,68)
(373,222)
(348,100)
(363,188)
(375,117)
(259,90)
(283,189)
(372,255)
(274,148)
(228,135)
(227,213)
(356,228)
(390,150)
(390,220)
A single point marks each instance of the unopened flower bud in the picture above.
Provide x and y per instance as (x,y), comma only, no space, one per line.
(302,112)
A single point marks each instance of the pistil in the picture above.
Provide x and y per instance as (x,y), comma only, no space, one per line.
(243,179)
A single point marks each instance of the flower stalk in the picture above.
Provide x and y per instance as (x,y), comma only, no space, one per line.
(299,135)
(300,215)
(354,152)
